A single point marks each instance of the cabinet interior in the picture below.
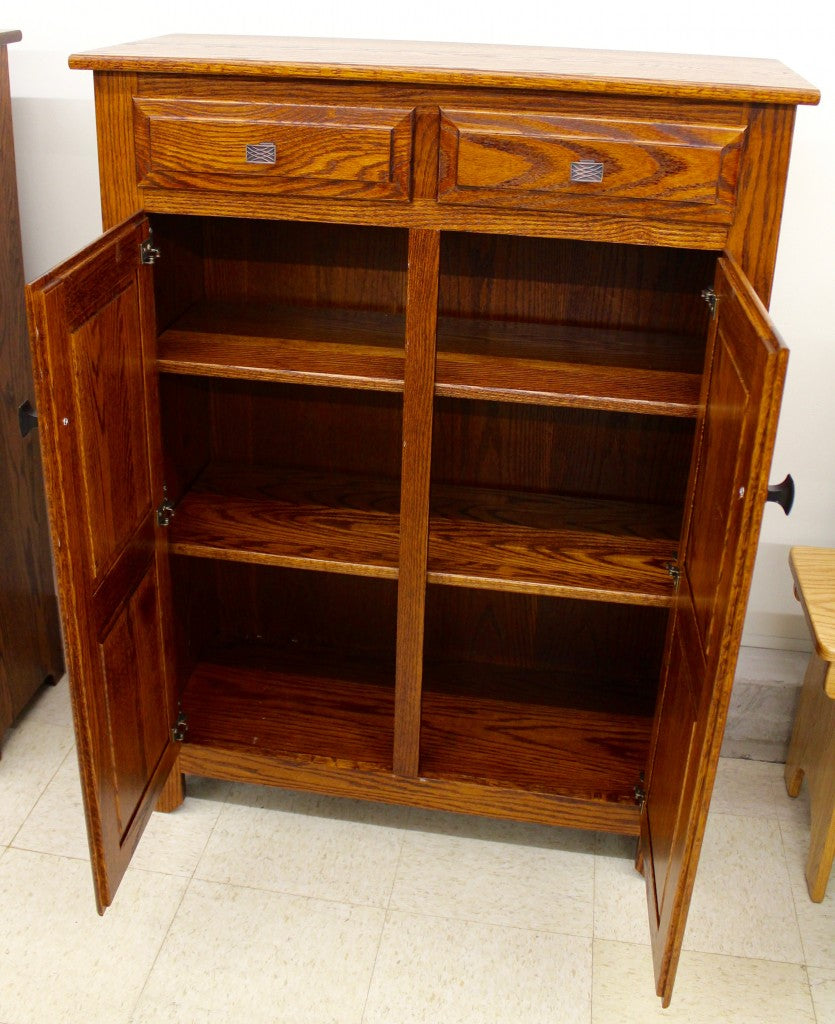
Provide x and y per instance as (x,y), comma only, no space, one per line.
(567,384)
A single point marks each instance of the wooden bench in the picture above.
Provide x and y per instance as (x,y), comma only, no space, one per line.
(812,748)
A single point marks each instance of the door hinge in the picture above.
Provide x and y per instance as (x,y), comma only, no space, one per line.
(148,252)
(165,511)
(640,792)
(180,727)
(674,571)
(709,295)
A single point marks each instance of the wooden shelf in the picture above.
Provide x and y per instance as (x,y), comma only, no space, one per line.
(333,347)
(329,521)
(498,540)
(552,544)
(586,368)
(517,732)
(540,364)
(331,707)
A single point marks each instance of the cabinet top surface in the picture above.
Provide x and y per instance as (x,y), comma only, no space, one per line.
(526,67)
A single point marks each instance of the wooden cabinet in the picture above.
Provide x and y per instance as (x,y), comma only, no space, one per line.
(407,433)
(30,639)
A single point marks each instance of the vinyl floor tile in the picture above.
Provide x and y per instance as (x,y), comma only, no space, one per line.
(497,872)
(437,971)
(60,961)
(235,954)
(709,989)
(32,753)
(305,844)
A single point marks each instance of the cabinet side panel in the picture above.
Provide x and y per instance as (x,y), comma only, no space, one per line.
(114,127)
(753,236)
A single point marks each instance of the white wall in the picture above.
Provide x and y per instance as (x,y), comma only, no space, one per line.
(57,171)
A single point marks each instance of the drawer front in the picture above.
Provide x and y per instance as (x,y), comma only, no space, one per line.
(545,161)
(275,149)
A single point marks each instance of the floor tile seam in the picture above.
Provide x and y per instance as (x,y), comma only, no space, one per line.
(488,923)
(162,942)
(285,892)
(43,790)
(51,853)
(396,871)
(765,961)
(796,892)
(383,926)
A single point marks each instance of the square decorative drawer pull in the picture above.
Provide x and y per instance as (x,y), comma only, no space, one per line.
(261,153)
(586,170)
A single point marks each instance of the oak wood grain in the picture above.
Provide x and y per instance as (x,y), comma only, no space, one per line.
(606,71)
(813,570)
(419,380)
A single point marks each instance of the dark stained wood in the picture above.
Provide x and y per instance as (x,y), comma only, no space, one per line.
(342,523)
(415,362)
(314,706)
(104,482)
(303,345)
(319,151)
(606,71)
(421,337)
(30,639)
(525,160)
(746,379)
(591,756)
(501,360)
(466,796)
(550,544)
(752,240)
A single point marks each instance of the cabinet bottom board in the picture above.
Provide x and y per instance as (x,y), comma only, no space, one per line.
(332,731)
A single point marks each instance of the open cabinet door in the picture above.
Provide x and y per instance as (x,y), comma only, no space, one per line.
(92,324)
(729,484)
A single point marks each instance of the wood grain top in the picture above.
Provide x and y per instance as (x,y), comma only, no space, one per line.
(10,37)
(520,67)
(814,575)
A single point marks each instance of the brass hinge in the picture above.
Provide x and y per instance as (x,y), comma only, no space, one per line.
(165,511)
(709,295)
(148,252)
(178,730)
(674,571)
(640,792)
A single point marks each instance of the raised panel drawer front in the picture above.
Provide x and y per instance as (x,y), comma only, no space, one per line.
(547,161)
(276,149)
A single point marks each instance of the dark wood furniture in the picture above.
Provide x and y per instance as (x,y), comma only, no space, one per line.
(30,638)
(420,452)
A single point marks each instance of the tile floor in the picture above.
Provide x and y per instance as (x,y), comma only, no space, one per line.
(257,905)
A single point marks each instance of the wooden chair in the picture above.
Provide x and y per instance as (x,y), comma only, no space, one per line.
(812,748)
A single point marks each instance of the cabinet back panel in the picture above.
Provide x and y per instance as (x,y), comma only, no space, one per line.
(587,453)
(306,427)
(306,264)
(178,276)
(578,283)
(223,603)
(578,654)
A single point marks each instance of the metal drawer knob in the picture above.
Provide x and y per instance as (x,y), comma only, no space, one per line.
(586,170)
(260,153)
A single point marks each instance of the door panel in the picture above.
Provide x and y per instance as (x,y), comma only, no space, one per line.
(729,483)
(93,344)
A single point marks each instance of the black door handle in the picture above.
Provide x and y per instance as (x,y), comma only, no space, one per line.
(782,493)
(27,417)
